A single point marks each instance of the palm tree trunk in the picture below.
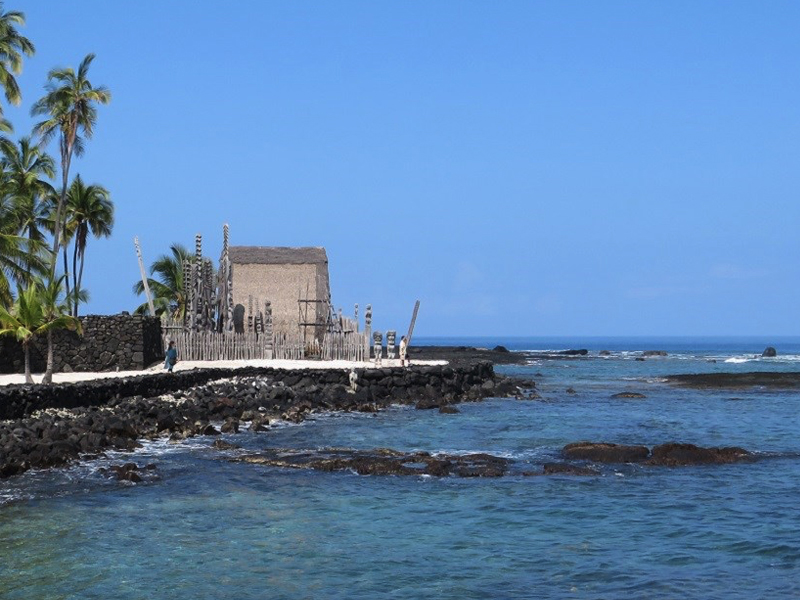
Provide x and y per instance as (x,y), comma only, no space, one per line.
(66,278)
(80,273)
(66,157)
(48,374)
(58,231)
(26,348)
(29,258)
(75,274)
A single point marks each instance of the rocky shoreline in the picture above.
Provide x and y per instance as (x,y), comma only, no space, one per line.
(737,381)
(54,425)
(499,355)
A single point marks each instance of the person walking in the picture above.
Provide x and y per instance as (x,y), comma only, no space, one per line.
(172,357)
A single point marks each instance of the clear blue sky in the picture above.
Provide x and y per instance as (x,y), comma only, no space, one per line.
(528,168)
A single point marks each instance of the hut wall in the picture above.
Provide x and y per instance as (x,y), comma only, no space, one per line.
(323,289)
(281,284)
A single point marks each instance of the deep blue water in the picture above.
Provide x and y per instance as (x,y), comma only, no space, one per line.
(209,528)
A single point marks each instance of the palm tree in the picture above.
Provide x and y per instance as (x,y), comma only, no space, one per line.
(12,47)
(89,209)
(168,293)
(13,257)
(56,311)
(70,109)
(31,315)
(67,231)
(25,167)
(20,258)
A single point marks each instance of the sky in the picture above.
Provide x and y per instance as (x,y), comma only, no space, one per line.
(521,168)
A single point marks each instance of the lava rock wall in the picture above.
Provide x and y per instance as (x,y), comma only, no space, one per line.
(392,383)
(109,343)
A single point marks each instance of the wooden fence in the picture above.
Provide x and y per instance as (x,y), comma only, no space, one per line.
(210,346)
(344,346)
(287,347)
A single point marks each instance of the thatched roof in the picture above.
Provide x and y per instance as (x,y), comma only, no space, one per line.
(278,255)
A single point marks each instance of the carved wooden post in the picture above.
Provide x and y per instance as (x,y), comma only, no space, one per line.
(367,330)
(377,346)
(355,316)
(391,336)
(268,328)
(188,294)
(197,289)
(144,278)
(228,275)
(223,301)
(250,314)
(208,295)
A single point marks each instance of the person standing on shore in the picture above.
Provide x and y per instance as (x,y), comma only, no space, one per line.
(403,351)
(172,357)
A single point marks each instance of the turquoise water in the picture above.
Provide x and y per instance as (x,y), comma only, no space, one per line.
(209,528)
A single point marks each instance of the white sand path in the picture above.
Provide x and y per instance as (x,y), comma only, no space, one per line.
(219,364)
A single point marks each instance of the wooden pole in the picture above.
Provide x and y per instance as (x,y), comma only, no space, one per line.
(144,278)
(413,322)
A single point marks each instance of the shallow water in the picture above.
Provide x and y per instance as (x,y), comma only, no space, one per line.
(209,528)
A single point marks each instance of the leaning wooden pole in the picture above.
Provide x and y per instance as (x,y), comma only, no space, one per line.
(413,322)
(144,278)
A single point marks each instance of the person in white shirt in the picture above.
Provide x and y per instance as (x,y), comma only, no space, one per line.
(403,351)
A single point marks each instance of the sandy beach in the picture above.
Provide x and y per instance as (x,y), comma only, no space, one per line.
(219,364)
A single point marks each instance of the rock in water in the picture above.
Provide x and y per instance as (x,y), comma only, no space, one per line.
(628,395)
(383,461)
(126,472)
(674,454)
(566,469)
(223,445)
(654,353)
(499,349)
(230,425)
(428,403)
(769,352)
(605,453)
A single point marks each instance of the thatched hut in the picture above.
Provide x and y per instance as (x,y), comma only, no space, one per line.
(283,276)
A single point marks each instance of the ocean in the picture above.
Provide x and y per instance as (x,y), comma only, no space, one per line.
(208,528)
